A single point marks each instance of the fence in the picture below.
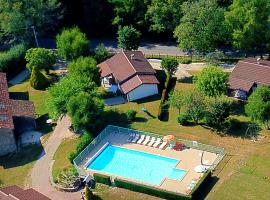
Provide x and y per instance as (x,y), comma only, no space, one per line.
(110,129)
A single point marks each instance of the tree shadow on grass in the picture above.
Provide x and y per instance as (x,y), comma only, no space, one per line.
(238,108)
(188,80)
(42,126)
(19,95)
(140,119)
(24,156)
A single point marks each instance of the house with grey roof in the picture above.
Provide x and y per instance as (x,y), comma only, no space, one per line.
(131,74)
(15,116)
(247,75)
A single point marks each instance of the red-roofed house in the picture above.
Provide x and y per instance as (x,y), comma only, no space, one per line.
(247,75)
(13,114)
(131,73)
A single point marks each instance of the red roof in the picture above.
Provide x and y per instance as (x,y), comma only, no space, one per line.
(10,108)
(130,69)
(249,72)
(15,192)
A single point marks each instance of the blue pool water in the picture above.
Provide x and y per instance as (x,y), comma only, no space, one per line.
(136,165)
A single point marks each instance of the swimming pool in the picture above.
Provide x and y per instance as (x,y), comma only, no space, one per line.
(136,165)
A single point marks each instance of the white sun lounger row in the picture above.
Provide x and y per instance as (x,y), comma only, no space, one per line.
(151,141)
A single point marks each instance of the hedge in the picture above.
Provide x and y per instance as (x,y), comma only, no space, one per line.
(150,190)
(164,97)
(101,178)
(197,190)
(12,61)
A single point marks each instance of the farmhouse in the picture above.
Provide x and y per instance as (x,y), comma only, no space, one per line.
(247,75)
(16,116)
(130,73)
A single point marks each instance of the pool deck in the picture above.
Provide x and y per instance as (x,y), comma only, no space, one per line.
(189,159)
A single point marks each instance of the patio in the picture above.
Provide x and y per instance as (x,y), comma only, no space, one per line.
(189,159)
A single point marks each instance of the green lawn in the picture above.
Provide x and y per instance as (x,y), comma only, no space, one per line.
(15,169)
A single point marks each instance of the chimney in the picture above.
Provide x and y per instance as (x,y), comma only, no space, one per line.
(258,60)
(132,56)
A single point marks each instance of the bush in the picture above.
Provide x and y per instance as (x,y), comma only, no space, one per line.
(40,58)
(215,57)
(37,80)
(183,119)
(185,60)
(131,115)
(72,43)
(150,190)
(88,193)
(101,178)
(101,53)
(12,61)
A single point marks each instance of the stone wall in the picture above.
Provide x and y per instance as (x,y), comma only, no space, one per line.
(7,141)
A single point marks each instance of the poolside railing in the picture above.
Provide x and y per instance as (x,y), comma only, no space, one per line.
(83,157)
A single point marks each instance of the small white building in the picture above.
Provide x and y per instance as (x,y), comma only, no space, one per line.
(130,73)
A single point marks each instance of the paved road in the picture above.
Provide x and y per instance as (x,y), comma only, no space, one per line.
(40,173)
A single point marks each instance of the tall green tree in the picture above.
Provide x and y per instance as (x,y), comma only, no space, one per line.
(72,43)
(101,53)
(128,38)
(129,12)
(202,26)
(212,81)
(18,16)
(170,65)
(164,15)
(85,66)
(40,57)
(249,23)
(85,110)
(258,105)
(37,80)
(61,92)
(177,99)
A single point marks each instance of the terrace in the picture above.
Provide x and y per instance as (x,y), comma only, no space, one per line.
(194,154)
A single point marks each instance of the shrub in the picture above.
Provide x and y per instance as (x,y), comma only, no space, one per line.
(37,80)
(40,58)
(101,178)
(128,38)
(88,193)
(170,65)
(185,60)
(13,60)
(215,57)
(183,119)
(150,190)
(72,43)
(101,53)
(72,155)
(131,115)
(161,105)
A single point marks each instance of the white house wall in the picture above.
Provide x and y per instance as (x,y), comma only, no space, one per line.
(142,91)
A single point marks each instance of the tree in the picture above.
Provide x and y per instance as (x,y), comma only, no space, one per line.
(195,105)
(61,92)
(214,58)
(212,81)
(177,99)
(129,12)
(88,194)
(72,43)
(249,23)
(40,58)
(85,110)
(18,16)
(258,105)
(85,66)
(164,15)
(217,111)
(128,38)
(37,80)
(101,53)
(170,65)
(202,26)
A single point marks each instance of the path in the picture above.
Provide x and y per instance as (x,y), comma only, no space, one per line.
(40,173)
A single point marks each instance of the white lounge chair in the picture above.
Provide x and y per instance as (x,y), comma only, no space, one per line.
(135,139)
(147,138)
(163,144)
(141,139)
(158,142)
(152,141)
